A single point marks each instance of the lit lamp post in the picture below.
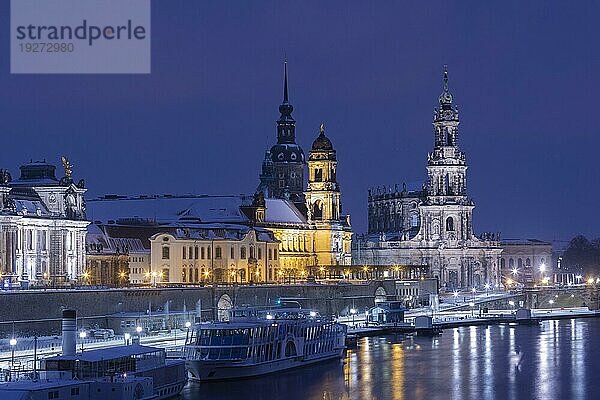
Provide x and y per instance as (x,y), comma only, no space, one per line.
(82,336)
(542,271)
(187,335)
(487,287)
(353,313)
(13,344)
(551,303)
(121,277)
(455,294)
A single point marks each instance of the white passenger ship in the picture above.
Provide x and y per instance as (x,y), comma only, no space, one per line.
(256,342)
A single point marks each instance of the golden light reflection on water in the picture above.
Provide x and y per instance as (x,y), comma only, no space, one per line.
(558,360)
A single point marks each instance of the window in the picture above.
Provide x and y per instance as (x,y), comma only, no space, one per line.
(450,224)
(202,253)
(184,252)
(528,262)
(218,253)
(183,275)
(318,175)
(208,253)
(196,253)
(270,254)
(53,394)
(190,252)
(275,254)
(165,253)
(414,220)
(520,262)
(243,253)
(232,254)
(259,253)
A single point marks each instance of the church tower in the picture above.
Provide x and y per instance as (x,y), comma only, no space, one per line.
(333,233)
(323,193)
(287,157)
(447,214)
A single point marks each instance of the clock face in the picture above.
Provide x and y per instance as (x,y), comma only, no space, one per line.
(52,198)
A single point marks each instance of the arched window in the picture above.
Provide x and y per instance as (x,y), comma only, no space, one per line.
(511,263)
(502,263)
(317,212)
(243,253)
(252,252)
(528,262)
(232,253)
(450,224)
(520,262)
(259,253)
(184,252)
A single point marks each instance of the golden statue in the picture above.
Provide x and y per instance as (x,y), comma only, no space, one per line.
(322,128)
(68,167)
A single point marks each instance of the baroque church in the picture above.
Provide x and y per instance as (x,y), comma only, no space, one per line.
(43,227)
(202,238)
(432,225)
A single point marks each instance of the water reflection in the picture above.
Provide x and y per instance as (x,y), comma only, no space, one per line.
(556,360)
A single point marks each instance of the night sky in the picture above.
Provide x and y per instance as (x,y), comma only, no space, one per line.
(526,76)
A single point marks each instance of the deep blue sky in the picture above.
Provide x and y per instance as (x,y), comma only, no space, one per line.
(526,76)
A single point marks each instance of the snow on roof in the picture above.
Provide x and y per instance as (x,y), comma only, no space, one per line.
(168,209)
(282,211)
(109,353)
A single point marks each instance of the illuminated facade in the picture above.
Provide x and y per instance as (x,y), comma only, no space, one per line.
(227,254)
(42,227)
(432,224)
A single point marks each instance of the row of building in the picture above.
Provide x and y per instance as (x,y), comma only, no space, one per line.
(287,230)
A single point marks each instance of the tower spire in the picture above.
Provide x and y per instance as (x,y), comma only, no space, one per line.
(446,78)
(285,85)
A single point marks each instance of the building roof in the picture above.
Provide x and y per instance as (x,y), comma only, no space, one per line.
(186,209)
(520,242)
(108,353)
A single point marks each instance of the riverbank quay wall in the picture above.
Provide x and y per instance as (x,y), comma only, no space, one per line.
(38,312)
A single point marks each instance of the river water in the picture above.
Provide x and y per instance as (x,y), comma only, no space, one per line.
(556,360)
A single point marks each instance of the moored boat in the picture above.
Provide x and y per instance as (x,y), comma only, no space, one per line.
(257,342)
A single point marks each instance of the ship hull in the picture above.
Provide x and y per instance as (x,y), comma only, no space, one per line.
(206,371)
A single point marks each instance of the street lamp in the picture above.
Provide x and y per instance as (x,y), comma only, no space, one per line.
(455,296)
(13,344)
(487,287)
(353,312)
(551,303)
(187,335)
(82,336)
